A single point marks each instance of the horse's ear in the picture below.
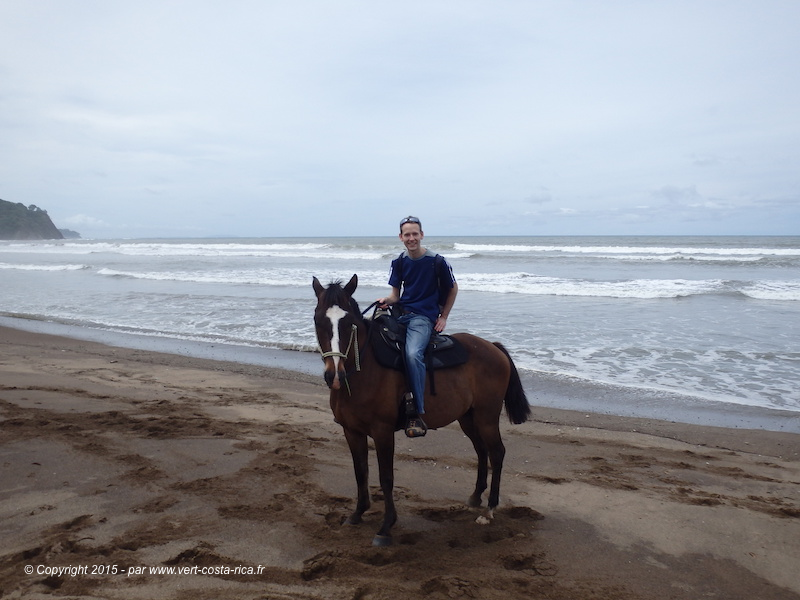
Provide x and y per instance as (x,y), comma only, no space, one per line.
(318,289)
(351,285)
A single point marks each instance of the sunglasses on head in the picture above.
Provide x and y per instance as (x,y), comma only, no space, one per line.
(410,220)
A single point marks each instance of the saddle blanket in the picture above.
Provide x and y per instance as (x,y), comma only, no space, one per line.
(443,351)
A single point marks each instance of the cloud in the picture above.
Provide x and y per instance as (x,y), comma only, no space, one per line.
(79,220)
(676,195)
(540,196)
(309,115)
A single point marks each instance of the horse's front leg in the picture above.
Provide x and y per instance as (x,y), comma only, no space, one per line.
(360,453)
(384,447)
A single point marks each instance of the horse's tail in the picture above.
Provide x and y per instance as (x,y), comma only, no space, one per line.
(517,406)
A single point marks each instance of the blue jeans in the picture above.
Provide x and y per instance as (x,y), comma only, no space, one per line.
(418,334)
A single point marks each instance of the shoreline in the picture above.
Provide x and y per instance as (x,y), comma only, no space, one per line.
(544,391)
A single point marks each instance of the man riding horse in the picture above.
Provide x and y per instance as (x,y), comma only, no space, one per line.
(424,289)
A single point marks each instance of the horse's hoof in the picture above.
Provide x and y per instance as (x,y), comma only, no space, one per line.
(474,502)
(485,518)
(382,541)
(353,520)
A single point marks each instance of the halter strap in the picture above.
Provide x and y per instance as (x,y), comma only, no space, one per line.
(353,344)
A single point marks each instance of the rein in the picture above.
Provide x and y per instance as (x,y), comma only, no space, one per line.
(365,311)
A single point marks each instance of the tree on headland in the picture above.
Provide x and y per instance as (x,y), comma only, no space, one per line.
(18,222)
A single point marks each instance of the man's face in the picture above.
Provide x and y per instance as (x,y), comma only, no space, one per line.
(411,235)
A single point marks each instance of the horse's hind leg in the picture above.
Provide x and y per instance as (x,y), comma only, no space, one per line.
(467,423)
(360,452)
(497,452)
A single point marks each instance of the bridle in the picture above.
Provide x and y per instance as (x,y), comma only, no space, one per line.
(351,345)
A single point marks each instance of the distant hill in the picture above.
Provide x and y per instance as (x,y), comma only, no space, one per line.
(69,234)
(18,222)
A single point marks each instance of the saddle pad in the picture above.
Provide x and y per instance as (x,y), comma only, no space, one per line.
(443,351)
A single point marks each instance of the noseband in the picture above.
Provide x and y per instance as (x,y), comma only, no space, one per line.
(352,344)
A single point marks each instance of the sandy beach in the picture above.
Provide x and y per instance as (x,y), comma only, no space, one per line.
(131,474)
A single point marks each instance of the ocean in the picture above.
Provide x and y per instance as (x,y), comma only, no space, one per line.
(644,326)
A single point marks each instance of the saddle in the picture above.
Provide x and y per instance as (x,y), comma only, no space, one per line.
(443,351)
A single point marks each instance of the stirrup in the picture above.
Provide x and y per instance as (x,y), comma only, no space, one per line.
(409,404)
(415,427)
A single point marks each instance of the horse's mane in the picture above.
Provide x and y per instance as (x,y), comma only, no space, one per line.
(335,294)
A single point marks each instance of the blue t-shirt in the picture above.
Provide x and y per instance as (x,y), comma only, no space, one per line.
(420,284)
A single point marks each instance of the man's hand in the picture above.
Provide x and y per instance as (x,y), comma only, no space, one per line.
(387,301)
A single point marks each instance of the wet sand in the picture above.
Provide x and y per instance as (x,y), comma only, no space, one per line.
(117,461)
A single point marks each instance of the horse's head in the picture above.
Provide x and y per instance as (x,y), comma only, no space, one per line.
(336,320)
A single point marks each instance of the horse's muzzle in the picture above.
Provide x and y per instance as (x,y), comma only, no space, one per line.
(334,379)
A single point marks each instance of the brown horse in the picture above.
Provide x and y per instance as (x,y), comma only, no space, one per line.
(365,399)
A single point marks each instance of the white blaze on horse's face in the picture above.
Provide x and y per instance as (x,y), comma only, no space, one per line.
(335,314)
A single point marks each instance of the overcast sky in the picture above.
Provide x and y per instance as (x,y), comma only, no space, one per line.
(271,118)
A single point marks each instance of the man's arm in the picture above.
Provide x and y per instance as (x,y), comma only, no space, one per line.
(441,322)
(392,298)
